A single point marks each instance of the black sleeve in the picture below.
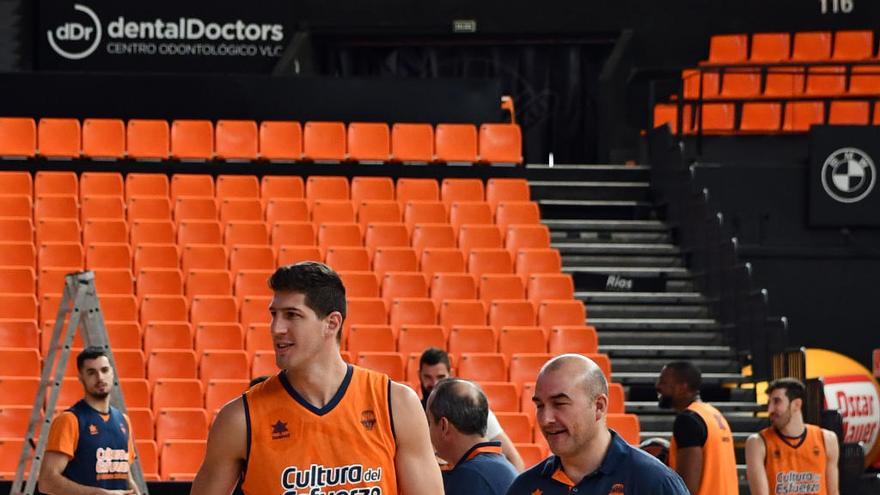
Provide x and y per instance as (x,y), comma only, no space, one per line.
(689,430)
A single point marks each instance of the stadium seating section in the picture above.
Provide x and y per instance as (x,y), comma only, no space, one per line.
(181,264)
(771,83)
(244,140)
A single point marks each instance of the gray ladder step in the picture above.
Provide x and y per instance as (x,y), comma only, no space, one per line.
(667,350)
(568,247)
(653,323)
(678,311)
(624,338)
(641,297)
(607,225)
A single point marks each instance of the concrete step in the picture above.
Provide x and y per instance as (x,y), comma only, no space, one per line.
(679,311)
(597,209)
(653,323)
(590,190)
(580,172)
(650,378)
(626,338)
(670,272)
(613,226)
(728,408)
(641,297)
(610,238)
(616,248)
(600,260)
(652,364)
(689,352)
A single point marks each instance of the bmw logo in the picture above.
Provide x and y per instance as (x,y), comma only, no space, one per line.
(848,175)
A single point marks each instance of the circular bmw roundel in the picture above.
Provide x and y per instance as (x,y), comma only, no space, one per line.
(848,175)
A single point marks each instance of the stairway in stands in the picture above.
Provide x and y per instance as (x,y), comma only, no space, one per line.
(639,293)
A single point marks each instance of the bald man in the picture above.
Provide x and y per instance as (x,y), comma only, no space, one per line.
(571,397)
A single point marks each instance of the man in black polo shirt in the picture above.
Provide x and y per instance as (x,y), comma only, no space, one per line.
(571,396)
(457,411)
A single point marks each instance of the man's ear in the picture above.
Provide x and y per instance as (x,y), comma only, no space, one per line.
(601,405)
(333,323)
(798,404)
(445,426)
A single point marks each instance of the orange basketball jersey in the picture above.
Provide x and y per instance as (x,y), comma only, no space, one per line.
(348,446)
(795,466)
(719,461)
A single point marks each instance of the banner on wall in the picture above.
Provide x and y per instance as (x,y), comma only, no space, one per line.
(162,35)
(843,185)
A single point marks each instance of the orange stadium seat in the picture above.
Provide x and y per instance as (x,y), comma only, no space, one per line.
(394,259)
(369,211)
(16,230)
(103,139)
(100,184)
(455,312)
(17,253)
(784,82)
(487,367)
(455,143)
(516,425)
(432,235)
(195,185)
(19,391)
(171,363)
(761,117)
(181,458)
(417,338)
(770,47)
(800,115)
(141,423)
(280,140)
(549,286)
(693,81)
(372,189)
(489,260)
(287,210)
(155,256)
(148,457)
(627,426)
(556,312)
(258,337)
(19,334)
(469,212)
(826,81)
(501,286)
(521,236)
(616,398)
(369,141)
(223,364)
(385,234)
(853,45)
(208,282)
(530,261)
(360,283)
(864,80)
(412,311)
(52,230)
(14,420)
(849,112)
(474,236)
(294,254)
(245,232)
(130,363)
(327,187)
(524,367)
(236,140)
(575,339)
(370,338)
(219,392)
(148,208)
(517,212)
(447,260)
(56,206)
(390,363)
(330,210)
(252,283)
(412,143)
(728,48)
(176,393)
(167,335)
(148,139)
(108,255)
(511,312)
(251,257)
(60,254)
(59,138)
(18,137)
(124,335)
(102,207)
(412,189)
(500,143)
(717,118)
(517,340)
(10,450)
(218,337)
(18,307)
(238,187)
(500,189)
(472,338)
(503,397)
(324,141)
(811,46)
(428,212)
(18,362)
(255,310)
(17,280)
(339,234)
(347,258)
(114,281)
(447,285)
(288,186)
(50,281)
(199,232)
(530,453)
(452,190)
(365,310)
(293,234)
(403,284)
(220,309)
(64,183)
(192,140)
(203,257)
(667,113)
(17,183)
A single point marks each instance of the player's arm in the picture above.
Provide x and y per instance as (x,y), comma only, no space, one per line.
(689,465)
(832,453)
(690,434)
(225,454)
(131,483)
(417,470)
(53,482)
(509,451)
(756,452)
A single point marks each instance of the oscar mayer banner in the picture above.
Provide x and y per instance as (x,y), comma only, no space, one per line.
(162,35)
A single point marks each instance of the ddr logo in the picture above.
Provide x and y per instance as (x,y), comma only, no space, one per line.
(76,34)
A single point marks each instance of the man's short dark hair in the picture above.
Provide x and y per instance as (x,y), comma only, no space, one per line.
(462,403)
(87,354)
(794,388)
(687,373)
(432,356)
(322,287)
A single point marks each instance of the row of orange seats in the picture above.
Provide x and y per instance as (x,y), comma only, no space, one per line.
(765,117)
(112,139)
(781,82)
(805,46)
(358,189)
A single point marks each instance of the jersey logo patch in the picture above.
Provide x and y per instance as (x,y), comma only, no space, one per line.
(538,492)
(816,451)
(93,430)
(617,489)
(368,419)
(279,430)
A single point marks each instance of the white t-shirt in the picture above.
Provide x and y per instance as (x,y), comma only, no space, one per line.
(493,427)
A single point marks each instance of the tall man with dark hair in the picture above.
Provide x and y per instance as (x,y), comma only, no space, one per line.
(433,367)
(90,449)
(701,450)
(319,425)
(789,456)
(571,398)
(457,411)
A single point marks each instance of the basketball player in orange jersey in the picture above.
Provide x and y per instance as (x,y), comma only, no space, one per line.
(790,457)
(701,450)
(320,426)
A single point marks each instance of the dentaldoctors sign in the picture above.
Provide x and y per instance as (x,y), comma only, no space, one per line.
(163,35)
